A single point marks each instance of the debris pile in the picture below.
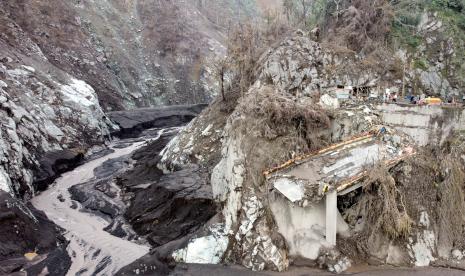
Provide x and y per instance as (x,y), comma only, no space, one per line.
(413,213)
(275,214)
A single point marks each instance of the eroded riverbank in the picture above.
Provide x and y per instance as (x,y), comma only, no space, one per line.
(91,248)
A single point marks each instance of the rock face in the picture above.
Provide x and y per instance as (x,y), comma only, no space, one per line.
(48,120)
(438,61)
(133,53)
(426,39)
(302,66)
(29,241)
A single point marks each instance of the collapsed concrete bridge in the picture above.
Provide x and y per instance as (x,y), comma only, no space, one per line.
(310,186)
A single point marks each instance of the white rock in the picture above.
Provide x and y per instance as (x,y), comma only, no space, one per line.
(3,84)
(28,68)
(422,251)
(53,131)
(227,179)
(367,110)
(329,102)
(341,266)
(80,93)
(206,131)
(204,250)
(424,219)
(252,209)
(457,254)
(5,183)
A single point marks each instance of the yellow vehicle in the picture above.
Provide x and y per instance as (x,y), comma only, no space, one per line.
(431,101)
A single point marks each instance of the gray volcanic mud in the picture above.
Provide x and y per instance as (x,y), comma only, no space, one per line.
(133,122)
(179,202)
(103,195)
(25,230)
(165,208)
(92,249)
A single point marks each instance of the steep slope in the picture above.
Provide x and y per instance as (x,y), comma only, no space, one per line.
(61,70)
(133,53)
(289,111)
(48,119)
(277,118)
(426,36)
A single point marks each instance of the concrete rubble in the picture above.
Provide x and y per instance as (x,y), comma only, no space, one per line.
(308,179)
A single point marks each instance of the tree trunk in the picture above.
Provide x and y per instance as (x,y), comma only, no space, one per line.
(222,85)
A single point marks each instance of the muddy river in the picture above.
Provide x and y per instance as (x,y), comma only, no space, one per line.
(92,250)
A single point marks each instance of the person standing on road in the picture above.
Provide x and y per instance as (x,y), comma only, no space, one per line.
(387,95)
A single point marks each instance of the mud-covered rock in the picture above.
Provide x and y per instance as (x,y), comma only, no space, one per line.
(53,164)
(178,203)
(101,196)
(25,230)
(133,122)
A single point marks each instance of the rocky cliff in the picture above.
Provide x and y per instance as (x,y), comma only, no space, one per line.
(429,36)
(426,37)
(43,112)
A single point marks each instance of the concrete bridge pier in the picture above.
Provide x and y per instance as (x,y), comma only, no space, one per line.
(331,217)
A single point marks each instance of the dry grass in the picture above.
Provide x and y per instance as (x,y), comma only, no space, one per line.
(275,112)
(436,183)
(388,211)
(432,182)
(361,25)
(451,205)
(383,205)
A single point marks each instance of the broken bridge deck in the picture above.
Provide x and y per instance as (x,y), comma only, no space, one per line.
(334,171)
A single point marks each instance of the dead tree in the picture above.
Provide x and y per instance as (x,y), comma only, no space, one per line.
(221,66)
(338,4)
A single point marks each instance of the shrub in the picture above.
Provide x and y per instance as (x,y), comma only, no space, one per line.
(421,64)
